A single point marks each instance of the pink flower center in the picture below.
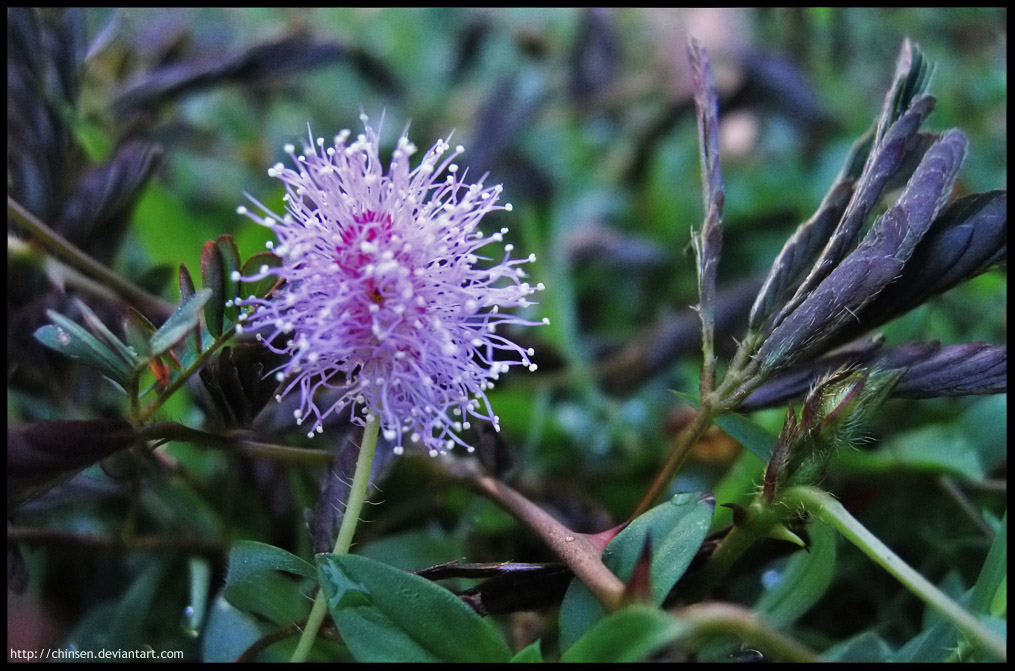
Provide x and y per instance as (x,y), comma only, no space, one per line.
(351,257)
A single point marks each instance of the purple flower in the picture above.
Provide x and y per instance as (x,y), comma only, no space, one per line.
(385,296)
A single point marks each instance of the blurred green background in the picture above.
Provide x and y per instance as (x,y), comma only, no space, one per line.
(585,116)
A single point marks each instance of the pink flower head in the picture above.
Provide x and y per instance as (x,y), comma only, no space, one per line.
(386,297)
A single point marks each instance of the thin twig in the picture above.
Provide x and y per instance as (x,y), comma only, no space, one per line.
(63,249)
(708,243)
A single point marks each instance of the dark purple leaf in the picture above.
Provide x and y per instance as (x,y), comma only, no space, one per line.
(674,336)
(593,244)
(506,111)
(96,214)
(931,370)
(833,311)
(965,240)
(41,454)
(708,241)
(885,160)
(528,587)
(595,56)
(956,370)
(800,251)
(255,65)
(17,571)
(912,74)
(828,309)
(477,29)
(899,230)
(773,82)
(44,55)
(706,101)
(240,382)
(795,381)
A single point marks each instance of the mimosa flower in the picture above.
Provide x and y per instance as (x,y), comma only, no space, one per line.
(386,296)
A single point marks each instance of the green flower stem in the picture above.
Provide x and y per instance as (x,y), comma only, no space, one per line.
(74,257)
(761,519)
(353,508)
(740,380)
(676,459)
(725,619)
(181,379)
(822,506)
(742,357)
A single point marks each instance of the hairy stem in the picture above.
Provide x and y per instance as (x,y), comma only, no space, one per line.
(353,507)
(675,460)
(181,379)
(824,507)
(581,552)
(761,519)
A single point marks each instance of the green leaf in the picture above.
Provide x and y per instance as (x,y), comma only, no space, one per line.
(119,622)
(107,337)
(254,266)
(866,647)
(746,432)
(186,291)
(73,341)
(579,611)
(272,596)
(248,558)
(993,574)
(213,279)
(180,323)
(749,434)
(938,448)
(200,583)
(673,531)
(229,633)
(738,485)
(230,264)
(803,581)
(397,616)
(373,638)
(254,584)
(408,550)
(530,654)
(138,331)
(629,635)
(934,644)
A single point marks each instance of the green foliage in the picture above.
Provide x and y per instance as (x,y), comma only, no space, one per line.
(804,579)
(669,535)
(71,340)
(746,432)
(247,559)
(629,635)
(530,654)
(388,615)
